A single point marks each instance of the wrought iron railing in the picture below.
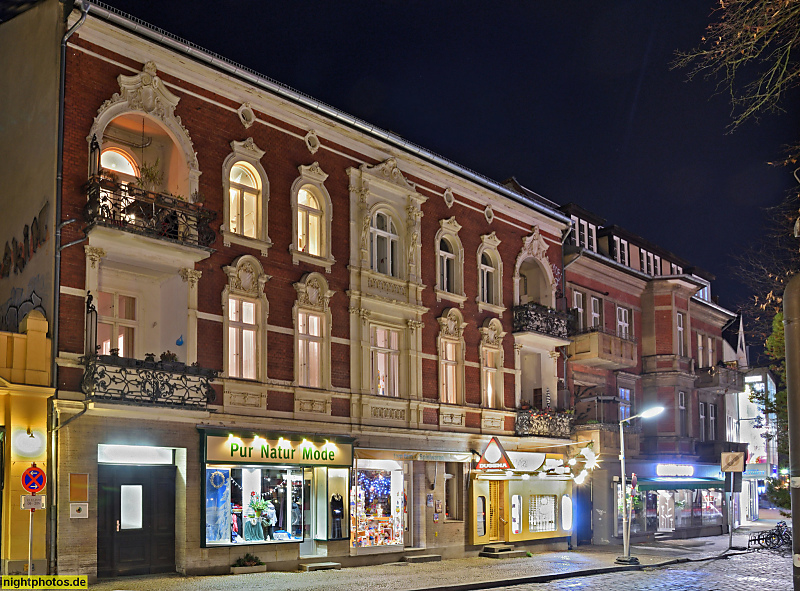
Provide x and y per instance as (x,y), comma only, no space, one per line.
(132,381)
(121,205)
(544,423)
(532,317)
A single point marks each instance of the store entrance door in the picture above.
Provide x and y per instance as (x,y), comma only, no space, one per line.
(135,520)
(497,511)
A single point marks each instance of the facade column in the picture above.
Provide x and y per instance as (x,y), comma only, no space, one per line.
(93,256)
(552,381)
(191,277)
(517,375)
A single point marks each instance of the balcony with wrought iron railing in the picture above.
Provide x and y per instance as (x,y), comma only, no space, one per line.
(536,318)
(719,378)
(110,378)
(128,208)
(544,423)
(602,348)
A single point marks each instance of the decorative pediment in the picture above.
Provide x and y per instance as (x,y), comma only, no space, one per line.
(247,149)
(313,173)
(313,292)
(246,276)
(389,171)
(146,92)
(451,324)
(492,333)
(450,225)
(490,240)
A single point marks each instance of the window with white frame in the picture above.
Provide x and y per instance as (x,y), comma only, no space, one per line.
(596,318)
(710,351)
(384,244)
(702,421)
(712,422)
(580,313)
(682,414)
(656,265)
(675,269)
(116,323)
(245,312)
(449,262)
(491,354)
(680,319)
(309,349)
(490,272)
(246,191)
(312,210)
(585,234)
(312,331)
(487,273)
(451,356)
(385,349)
(309,222)
(242,331)
(624,403)
(623,322)
(700,357)
(621,250)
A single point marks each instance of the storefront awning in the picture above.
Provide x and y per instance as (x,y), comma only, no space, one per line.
(679,483)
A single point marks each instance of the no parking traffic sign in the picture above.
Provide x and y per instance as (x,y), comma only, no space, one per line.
(34,480)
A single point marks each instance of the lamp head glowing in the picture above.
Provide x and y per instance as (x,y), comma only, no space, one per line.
(651,412)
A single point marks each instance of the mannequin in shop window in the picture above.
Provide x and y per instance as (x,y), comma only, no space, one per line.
(268,520)
(297,516)
(337,512)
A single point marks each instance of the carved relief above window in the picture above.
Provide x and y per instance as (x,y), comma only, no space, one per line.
(449,263)
(490,275)
(450,344)
(311,220)
(534,280)
(312,321)
(245,310)
(246,197)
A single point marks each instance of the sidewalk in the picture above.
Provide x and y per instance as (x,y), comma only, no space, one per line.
(463,573)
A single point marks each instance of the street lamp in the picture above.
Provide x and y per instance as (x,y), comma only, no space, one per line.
(626,557)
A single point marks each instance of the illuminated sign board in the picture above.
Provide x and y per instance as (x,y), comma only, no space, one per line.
(674,470)
(258,450)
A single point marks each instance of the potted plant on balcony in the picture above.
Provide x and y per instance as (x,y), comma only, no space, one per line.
(150,176)
(248,563)
(169,361)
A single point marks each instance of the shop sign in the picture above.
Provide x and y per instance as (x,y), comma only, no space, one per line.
(674,470)
(494,457)
(258,450)
(732,461)
(755,471)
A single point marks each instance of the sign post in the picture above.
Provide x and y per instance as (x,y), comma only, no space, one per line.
(732,462)
(33,480)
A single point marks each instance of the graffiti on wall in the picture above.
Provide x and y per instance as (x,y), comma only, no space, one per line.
(18,306)
(16,254)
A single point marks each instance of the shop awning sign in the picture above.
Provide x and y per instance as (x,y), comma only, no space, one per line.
(494,457)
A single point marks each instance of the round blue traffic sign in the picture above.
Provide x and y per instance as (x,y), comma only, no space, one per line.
(34,479)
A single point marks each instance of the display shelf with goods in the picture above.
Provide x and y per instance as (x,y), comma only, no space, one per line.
(377,495)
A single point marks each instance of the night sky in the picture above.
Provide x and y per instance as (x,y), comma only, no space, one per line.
(575,99)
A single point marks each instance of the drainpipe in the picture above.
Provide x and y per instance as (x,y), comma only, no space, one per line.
(53,463)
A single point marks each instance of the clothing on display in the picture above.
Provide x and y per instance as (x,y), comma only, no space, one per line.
(337,512)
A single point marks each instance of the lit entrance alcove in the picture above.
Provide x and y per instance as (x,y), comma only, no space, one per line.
(136,508)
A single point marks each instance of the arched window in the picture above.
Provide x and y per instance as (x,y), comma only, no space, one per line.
(447,266)
(384,252)
(487,274)
(309,223)
(118,162)
(449,263)
(244,191)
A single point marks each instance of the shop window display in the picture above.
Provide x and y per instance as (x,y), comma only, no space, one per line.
(253,505)
(480,509)
(379,504)
(542,513)
(669,510)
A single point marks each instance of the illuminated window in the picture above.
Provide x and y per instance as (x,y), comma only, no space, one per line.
(242,331)
(384,244)
(682,414)
(624,403)
(312,318)
(309,349)
(116,323)
(244,192)
(491,354)
(490,275)
(680,320)
(451,356)
(119,162)
(489,369)
(309,223)
(385,361)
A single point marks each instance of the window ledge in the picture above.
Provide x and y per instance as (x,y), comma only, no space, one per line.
(229,238)
(483,306)
(297,256)
(452,297)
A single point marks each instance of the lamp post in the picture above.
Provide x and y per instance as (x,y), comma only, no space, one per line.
(626,557)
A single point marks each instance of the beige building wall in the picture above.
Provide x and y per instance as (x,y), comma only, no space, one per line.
(28,131)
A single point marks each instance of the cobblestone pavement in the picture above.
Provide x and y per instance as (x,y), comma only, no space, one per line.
(743,570)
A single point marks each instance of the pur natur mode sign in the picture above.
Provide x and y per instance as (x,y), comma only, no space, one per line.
(258,450)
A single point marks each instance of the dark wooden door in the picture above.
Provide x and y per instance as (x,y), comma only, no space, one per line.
(135,520)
